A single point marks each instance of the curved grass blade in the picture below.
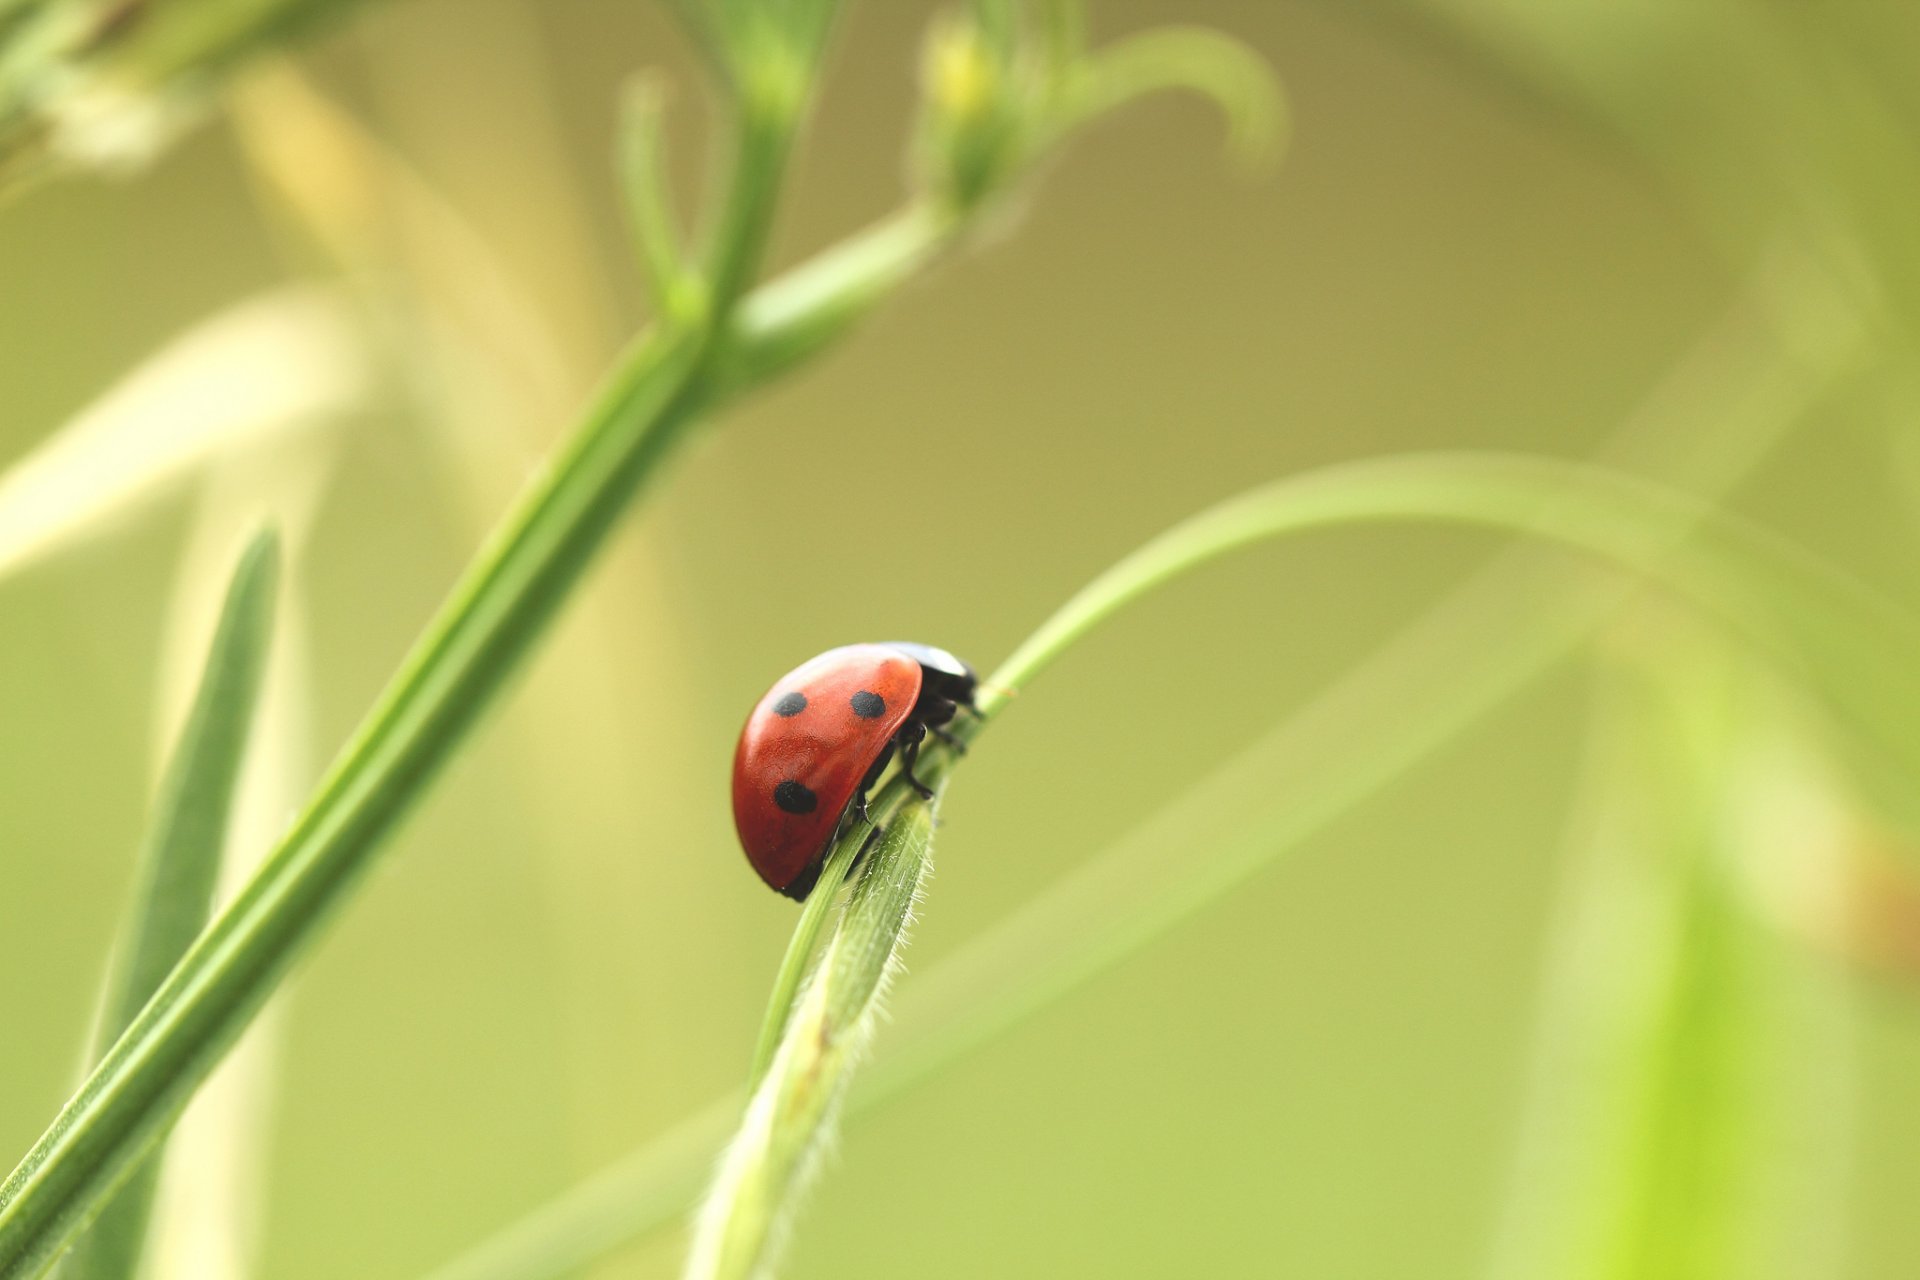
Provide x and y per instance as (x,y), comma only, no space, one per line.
(1491,638)
(179,865)
(1848,643)
(1208,62)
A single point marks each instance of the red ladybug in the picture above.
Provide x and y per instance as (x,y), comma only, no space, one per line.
(820,738)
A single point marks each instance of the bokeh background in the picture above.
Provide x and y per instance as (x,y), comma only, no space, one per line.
(1490,231)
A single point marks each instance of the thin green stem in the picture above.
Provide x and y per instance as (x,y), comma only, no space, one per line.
(1207,62)
(643,177)
(1771,589)
(812,306)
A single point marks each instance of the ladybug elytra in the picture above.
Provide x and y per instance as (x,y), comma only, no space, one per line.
(821,737)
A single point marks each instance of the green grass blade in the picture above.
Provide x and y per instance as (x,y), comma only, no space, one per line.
(475,643)
(1684,1042)
(791,1110)
(179,864)
(180,861)
(1848,643)
(794,964)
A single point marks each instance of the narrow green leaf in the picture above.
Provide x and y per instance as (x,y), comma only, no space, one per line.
(179,865)
(478,639)
(765,1169)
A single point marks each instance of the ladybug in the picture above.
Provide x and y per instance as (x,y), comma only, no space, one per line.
(820,738)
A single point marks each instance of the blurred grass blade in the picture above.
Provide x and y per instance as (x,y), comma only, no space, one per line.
(268,367)
(208,1212)
(657,237)
(1849,644)
(179,866)
(1684,1045)
(1216,66)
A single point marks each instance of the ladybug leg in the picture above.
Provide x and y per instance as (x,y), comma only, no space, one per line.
(936,714)
(946,735)
(866,784)
(910,738)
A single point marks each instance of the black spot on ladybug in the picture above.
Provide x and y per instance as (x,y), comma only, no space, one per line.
(790,705)
(869,706)
(794,798)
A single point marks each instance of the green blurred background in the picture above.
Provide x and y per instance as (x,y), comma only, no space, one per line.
(1467,246)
